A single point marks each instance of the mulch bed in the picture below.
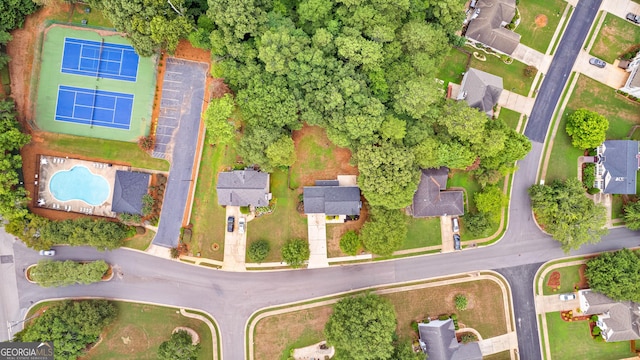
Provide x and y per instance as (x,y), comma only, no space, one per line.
(568,316)
(554,280)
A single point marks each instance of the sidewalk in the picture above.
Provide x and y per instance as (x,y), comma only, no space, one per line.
(533,57)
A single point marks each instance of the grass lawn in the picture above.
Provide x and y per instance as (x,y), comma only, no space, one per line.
(510,117)
(571,340)
(512,74)
(563,163)
(569,276)
(466,181)
(284,223)
(146,326)
(533,35)
(422,233)
(617,36)
(276,336)
(140,242)
(616,207)
(505,355)
(94,17)
(454,65)
(207,217)
(117,151)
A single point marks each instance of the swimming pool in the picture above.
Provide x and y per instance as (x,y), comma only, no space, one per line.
(79,183)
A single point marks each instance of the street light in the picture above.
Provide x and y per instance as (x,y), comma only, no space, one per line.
(10,326)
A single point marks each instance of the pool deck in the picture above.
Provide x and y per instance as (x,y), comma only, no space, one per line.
(49,165)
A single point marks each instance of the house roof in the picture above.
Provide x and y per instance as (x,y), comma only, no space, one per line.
(243,188)
(480,90)
(620,163)
(330,199)
(488,27)
(431,200)
(128,190)
(622,318)
(438,340)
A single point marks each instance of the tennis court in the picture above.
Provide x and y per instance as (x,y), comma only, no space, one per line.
(99,59)
(94,107)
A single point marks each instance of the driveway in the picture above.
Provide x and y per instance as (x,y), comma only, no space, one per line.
(235,244)
(611,75)
(621,8)
(533,57)
(184,83)
(516,102)
(446,231)
(317,233)
(552,303)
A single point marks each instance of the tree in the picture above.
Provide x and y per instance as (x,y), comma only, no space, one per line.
(259,250)
(490,201)
(632,215)
(362,328)
(350,243)
(29,230)
(282,152)
(587,129)
(477,223)
(463,122)
(13,13)
(295,252)
(565,213)
(415,96)
(71,325)
(385,231)
(99,233)
(63,273)
(219,129)
(461,302)
(615,274)
(179,347)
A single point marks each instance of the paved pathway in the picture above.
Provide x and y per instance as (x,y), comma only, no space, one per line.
(516,102)
(620,8)
(317,233)
(533,57)
(499,343)
(235,244)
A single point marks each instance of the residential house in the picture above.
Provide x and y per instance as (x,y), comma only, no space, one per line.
(438,341)
(632,86)
(128,190)
(331,198)
(618,320)
(432,197)
(246,187)
(617,166)
(488,27)
(480,90)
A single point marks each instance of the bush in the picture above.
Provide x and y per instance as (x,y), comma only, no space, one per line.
(175,252)
(588,175)
(145,143)
(461,302)
(593,190)
(244,210)
(444,317)
(594,318)
(530,71)
(596,331)
(295,252)
(468,337)
(477,223)
(259,250)
(350,243)
(414,325)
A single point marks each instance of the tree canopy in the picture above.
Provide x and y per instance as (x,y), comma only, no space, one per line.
(295,252)
(50,273)
(615,274)
(632,215)
(178,347)
(587,129)
(362,328)
(567,214)
(385,231)
(13,13)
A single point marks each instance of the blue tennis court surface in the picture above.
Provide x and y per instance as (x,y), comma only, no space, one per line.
(105,60)
(94,107)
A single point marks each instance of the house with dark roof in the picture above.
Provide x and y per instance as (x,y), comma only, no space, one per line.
(480,90)
(128,189)
(632,85)
(330,198)
(488,27)
(618,320)
(432,197)
(617,166)
(438,341)
(246,187)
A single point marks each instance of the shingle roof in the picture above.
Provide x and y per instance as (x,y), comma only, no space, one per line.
(438,340)
(128,190)
(623,316)
(480,90)
(620,163)
(430,200)
(488,27)
(331,199)
(243,188)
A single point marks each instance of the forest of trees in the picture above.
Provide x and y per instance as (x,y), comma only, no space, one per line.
(50,273)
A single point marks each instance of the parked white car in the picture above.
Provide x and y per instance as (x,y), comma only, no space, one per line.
(567,297)
(50,252)
(242,223)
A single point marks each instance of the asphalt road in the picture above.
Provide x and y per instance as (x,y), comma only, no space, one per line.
(563,60)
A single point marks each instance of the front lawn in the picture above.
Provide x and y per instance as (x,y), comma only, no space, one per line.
(140,242)
(94,17)
(569,276)
(571,340)
(466,180)
(453,67)
(422,233)
(563,163)
(510,117)
(538,21)
(512,74)
(616,37)
(616,207)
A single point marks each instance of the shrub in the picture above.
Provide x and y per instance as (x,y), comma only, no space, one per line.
(259,250)
(145,143)
(594,318)
(175,252)
(468,337)
(477,223)
(244,210)
(461,302)
(414,325)
(596,331)
(593,190)
(530,71)
(147,204)
(295,252)
(443,317)
(588,175)
(350,243)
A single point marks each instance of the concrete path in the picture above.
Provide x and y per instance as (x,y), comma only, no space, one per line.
(605,200)
(620,8)
(447,233)
(235,244)
(10,313)
(533,57)
(498,343)
(516,102)
(317,230)
(610,75)
(212,328)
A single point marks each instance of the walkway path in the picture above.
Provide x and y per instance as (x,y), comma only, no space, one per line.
(516,102)
(317,233)
(533,57)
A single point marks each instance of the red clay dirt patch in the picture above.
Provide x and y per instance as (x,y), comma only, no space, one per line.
(554,280)
(541,20)
(335,232)
(584,283)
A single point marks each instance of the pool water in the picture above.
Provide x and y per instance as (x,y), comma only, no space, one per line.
(79,183)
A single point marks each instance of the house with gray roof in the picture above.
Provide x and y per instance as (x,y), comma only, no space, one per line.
(480,90)
(438,341)
(617,166)
(128,190)
(618,320)
(632,85)
(488,27)
(432,197)
(329,198)
(246,187)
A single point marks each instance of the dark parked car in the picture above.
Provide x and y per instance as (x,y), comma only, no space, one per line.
(597,62)
(633,18)
(230,223)
(456,242)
